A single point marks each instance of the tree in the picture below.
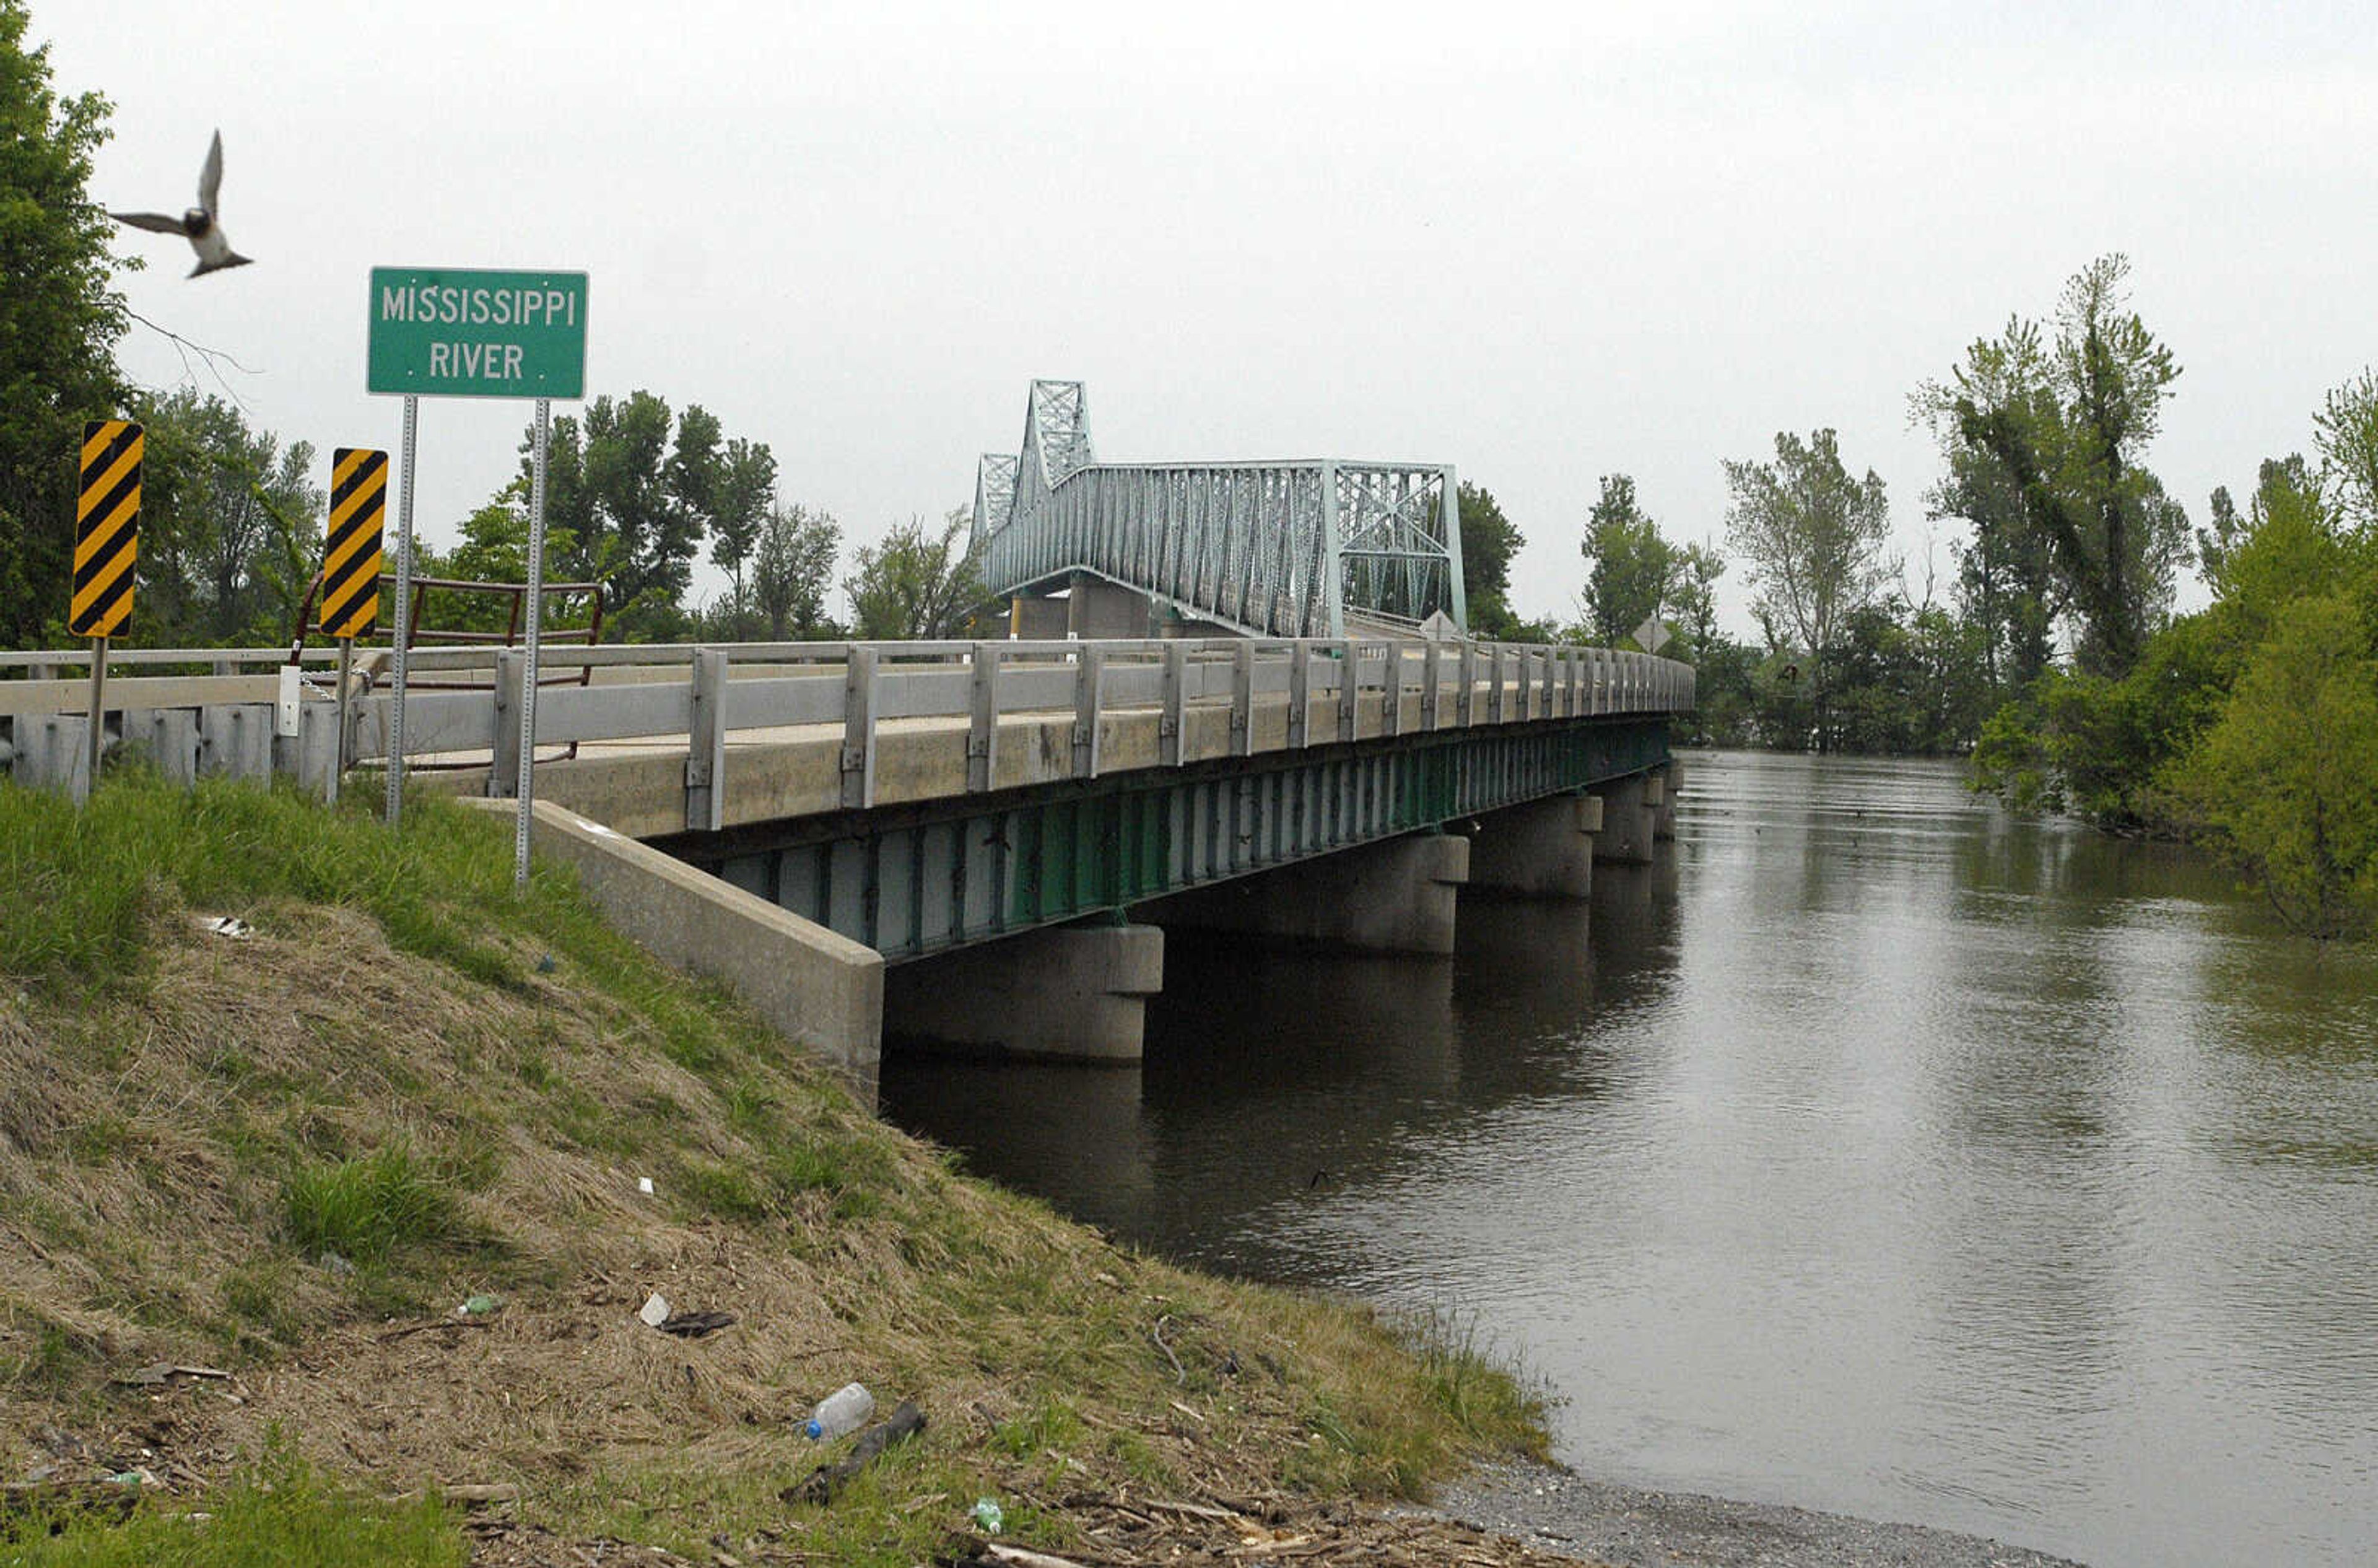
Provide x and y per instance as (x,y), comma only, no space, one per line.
(1631,566)
(791,569)
(2281,777)
(634,506)
(743,499)
(59,322)
(1813,539)
(916,584)
(1695,594)
(230,523)
(2345,432)
(1488,541)
(2067,425)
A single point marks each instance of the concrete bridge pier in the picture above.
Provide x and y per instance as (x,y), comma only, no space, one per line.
(1399,896)
(1630,809)
(1069,993)
(1543,849)
(1663,810)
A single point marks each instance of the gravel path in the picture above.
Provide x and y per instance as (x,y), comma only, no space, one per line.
(1557,1509)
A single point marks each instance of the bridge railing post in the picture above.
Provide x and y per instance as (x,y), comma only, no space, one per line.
(705,750)
(1175,689)
(983,730)
(1527,695)
(1350,688)
(511,669)
(1465,701)
(1242,699)
(861,690)
(1391,716)
(1089,684)
(1431,683)
(1300,690)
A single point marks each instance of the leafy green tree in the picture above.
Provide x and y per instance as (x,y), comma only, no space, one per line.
(59,322)
(1489,540)
(2287,501)
(2345,432)
(1631,567)
(1694,595)
(2068,425)
(230,523)
(742,500)
(1813,537)
(792,570)
(635,504)
(2282,777)
(915,582)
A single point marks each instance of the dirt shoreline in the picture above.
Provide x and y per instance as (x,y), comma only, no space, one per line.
(1554,1510)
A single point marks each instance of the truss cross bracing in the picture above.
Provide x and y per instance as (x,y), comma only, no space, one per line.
(1314,547)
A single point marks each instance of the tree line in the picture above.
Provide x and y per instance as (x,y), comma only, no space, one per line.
(2050,655)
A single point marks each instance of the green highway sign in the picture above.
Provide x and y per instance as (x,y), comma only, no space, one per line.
(447,332)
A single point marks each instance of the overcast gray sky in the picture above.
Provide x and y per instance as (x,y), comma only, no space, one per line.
(1540,243)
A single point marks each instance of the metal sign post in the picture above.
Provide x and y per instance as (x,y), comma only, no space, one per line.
(456,333)
(107,545)
(351,560)
(526,790)
(401,634)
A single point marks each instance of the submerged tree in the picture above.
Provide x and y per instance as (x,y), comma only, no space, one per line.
(1813,537)
(2064,426)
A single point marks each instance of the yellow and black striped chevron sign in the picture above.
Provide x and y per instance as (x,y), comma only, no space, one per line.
(107,527)
(351,560)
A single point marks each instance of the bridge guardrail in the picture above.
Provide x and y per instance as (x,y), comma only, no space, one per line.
(706,693)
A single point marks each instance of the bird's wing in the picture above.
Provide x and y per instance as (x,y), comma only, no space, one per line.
(211,177)
(156,221)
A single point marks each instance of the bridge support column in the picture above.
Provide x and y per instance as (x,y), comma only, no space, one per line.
(1400,896)
(1075,993)
(1629,806)
(1098,608)
(1663,810)
(1543,849)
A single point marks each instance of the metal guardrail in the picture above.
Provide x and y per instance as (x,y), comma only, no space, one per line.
(1333,691)
(707,693)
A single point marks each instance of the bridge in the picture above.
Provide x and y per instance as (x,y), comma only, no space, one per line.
(1002,826)
(1234,696)
(1315,547)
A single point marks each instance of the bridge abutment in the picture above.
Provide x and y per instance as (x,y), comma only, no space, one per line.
(1070,993)
(1399,896)
(1543,849)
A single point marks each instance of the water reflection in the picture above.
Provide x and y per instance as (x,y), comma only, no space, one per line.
(1871,1150)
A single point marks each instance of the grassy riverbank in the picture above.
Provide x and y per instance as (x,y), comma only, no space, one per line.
(286,1155)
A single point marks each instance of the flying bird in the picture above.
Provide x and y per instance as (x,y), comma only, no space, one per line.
(198,225)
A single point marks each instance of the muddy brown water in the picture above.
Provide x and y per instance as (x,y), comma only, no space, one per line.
(1873,1152)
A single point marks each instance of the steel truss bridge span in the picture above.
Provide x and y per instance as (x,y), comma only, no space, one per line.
(1311,547)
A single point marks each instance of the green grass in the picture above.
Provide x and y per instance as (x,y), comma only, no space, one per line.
(281,1513)
(365,1208)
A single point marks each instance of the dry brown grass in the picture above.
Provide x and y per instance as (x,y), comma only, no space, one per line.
(149,1134)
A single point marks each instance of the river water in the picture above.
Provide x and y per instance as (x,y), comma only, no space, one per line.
(1873,1152)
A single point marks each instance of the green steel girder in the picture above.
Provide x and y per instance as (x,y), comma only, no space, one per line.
(917,880)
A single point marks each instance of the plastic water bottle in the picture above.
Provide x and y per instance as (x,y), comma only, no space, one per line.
(844,1410)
